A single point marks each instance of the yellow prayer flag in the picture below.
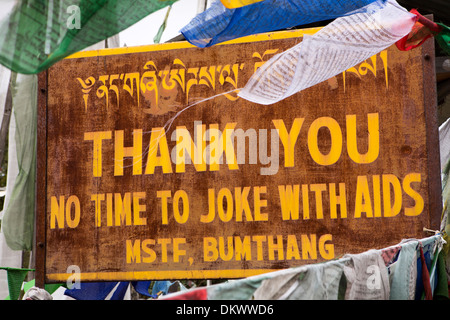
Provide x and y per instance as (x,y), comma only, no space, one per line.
(231,4)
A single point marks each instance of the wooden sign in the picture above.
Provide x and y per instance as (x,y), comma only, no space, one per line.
(151,167)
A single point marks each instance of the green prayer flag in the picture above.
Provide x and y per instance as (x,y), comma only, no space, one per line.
(161,29)
(443,38)
(18,216)
(441,290)
(15,278)
(36,34)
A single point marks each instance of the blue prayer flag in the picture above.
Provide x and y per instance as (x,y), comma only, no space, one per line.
(218,24)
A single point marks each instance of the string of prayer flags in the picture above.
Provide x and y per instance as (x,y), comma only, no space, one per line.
(231,4)
(340,45)
(35,34)
(342,279)
(218,23)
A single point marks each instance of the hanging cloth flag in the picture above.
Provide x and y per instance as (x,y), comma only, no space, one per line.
(161,29)
(98,291)
(218,24)
(340,45)
(16,277)
(231,4)
(35,34)
(443,38)
(422,30)
(18,214)
(347,278)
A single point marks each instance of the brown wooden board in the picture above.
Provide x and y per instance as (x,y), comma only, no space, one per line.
(361,171)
